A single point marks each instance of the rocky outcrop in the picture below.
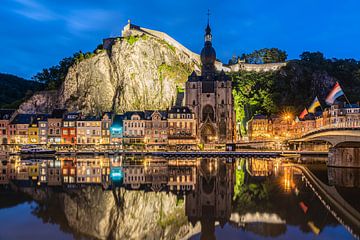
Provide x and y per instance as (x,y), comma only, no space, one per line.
(137,73)
(40,102)
(118,214)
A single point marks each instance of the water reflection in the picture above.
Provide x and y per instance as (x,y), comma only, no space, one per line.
(122,197)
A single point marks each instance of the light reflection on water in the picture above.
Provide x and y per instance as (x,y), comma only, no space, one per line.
(199,198)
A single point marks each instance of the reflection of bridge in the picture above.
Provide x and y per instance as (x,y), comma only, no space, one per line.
(256,218)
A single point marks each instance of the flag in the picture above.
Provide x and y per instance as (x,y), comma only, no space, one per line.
(314,105)
(334,94)
(303,113)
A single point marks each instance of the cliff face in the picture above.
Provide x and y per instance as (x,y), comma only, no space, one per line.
(135,73)
(116,214)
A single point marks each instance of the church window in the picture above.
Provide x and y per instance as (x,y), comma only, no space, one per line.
(194,102)
(222,85)
(193,86)
(208,112)
(222,102)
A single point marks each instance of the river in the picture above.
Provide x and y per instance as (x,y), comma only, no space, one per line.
(134,197)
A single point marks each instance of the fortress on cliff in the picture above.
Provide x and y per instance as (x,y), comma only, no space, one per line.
(131,29)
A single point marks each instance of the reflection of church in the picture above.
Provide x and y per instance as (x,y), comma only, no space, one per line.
(209,96)
(210,201)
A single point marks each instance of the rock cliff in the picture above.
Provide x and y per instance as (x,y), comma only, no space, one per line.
(118,214)
(137,71)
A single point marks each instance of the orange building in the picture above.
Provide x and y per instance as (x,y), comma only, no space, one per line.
(68,129)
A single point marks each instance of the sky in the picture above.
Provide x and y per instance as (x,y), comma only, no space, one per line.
(37,34)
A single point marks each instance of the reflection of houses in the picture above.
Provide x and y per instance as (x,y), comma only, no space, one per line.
(156,173)
(182,126)
(54,173)
(68,170)
(156,127)
(182,175)
(33,170)
(134,128)
(211,199)
(4,173)
(134,174)
(260,167)
(88,170)
(105,169)
(43,165)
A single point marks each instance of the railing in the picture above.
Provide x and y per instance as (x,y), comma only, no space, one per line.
(338,126)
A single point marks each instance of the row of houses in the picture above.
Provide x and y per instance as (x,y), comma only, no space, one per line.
(174,126)
(262,127)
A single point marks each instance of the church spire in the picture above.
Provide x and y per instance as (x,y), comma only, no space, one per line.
(208,54)
(208,36)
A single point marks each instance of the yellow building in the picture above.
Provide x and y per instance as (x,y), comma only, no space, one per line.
(33,133)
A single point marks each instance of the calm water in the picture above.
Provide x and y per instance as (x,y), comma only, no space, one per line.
(154,198)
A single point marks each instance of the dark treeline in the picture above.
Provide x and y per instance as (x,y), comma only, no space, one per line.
(14,90)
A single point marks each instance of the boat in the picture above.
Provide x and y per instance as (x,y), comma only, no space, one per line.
(34,150)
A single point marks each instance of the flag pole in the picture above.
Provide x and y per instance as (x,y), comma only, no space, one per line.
(345,96)
(320,104)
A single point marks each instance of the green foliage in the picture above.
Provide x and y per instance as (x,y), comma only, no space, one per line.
(54,76)
(265,55)
(132,39)
(171,47)
(253,94)
(180,89)
(15,90)
(179,72)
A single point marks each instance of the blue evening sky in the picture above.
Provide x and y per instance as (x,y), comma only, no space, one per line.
(35,34)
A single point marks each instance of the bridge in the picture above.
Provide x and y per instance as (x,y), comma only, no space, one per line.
(345,142)
(334,135)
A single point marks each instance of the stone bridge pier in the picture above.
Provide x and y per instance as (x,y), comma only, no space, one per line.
(345,155)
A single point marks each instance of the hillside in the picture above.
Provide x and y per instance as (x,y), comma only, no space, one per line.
(294,86)
(14,90)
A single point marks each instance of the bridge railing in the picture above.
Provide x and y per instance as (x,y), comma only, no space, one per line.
(342,126)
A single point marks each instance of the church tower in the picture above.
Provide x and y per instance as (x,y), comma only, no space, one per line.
(209,96)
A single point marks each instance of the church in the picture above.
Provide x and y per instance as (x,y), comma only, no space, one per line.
(209,96)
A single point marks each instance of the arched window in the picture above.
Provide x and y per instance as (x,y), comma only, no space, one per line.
(194,103)
(222,85)
(193,86)
(208,112)
(222,102)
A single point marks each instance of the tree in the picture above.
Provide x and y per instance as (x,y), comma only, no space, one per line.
(265,55)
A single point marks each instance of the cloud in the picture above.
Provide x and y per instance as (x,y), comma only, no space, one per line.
(88,19)
(34,10)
